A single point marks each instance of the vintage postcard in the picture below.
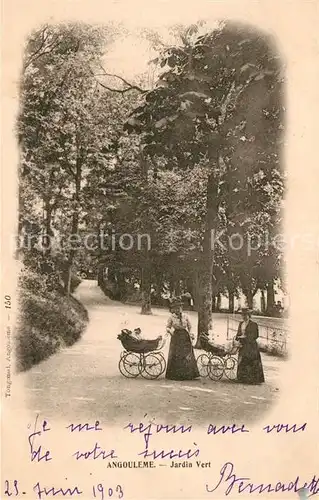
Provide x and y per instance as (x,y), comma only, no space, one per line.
(160,236)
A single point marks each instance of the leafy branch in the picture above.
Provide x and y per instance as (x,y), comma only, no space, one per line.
(44,48)
(128,87)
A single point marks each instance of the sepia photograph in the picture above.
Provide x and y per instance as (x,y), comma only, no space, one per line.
(150,238)
(160,246)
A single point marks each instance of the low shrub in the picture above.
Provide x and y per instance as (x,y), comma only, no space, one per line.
(47,321)
(134,297)
(79,307)
(108,290)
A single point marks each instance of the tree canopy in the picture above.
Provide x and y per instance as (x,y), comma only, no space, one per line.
(196,155)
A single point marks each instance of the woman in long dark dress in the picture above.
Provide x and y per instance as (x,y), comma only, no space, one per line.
(181,363)
(250,368)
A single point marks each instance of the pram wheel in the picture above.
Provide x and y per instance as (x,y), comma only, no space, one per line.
(129,365)
(152,365)
(216,368)
(203,363)
(230,367)
(163,361)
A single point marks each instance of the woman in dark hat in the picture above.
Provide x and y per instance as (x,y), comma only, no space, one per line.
(181,363)
(250,368)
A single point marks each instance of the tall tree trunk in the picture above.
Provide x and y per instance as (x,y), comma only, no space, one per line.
(206,268)
(262,301)
(75,226)
(121,286)
(100,276)
(270,297)
(67,284)
(146,287)
(249,297)
(213,302)
(146,272)
(175,286)
(48,229)
(219,302)
(196,290)
(231,300)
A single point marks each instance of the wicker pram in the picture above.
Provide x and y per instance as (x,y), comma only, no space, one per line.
(207,346)
(141,357)
(131,344)
(217,360)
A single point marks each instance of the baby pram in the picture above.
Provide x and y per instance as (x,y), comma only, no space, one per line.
(213,349)
(141,356)
(216,361)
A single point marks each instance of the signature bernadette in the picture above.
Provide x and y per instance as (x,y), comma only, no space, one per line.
(233,483)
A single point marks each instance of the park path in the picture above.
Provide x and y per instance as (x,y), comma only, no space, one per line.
(83,381)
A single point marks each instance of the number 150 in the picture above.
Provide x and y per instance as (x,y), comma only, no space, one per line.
(7,301)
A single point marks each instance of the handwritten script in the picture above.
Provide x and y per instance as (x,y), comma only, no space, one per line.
(147,455)
(229,481)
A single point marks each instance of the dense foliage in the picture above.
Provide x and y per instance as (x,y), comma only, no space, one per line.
(197,154)
(218,106)
(47,320)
